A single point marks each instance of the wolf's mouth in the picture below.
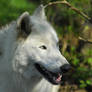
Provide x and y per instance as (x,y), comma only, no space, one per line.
(54,78)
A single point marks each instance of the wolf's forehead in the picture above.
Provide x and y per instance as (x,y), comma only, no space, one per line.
(43,30)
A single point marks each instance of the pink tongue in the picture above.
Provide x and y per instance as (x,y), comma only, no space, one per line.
(59,78)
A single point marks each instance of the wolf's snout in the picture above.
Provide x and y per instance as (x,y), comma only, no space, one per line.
(65,68)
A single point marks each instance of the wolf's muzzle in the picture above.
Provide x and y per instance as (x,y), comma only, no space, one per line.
(65,68)
(53,77)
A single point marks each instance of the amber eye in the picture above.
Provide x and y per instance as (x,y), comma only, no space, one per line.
(43,47)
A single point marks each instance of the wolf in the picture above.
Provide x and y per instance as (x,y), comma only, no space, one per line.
(30,60)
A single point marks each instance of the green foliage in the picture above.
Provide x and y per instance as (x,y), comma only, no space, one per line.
(83,69)
(11,9)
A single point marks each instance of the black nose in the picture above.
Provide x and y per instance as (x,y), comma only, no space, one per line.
(65,68)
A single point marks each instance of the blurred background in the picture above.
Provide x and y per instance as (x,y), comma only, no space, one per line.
(69,25)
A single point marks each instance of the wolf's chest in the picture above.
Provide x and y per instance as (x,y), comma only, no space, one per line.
(45,86)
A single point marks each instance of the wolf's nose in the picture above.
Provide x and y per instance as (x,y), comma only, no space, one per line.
(65,68)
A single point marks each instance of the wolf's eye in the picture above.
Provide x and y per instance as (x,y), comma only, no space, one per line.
(43,47)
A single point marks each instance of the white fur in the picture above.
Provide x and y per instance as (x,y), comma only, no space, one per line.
(18,56)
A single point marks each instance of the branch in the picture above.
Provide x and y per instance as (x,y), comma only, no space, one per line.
(74,9)
(87,41)
(70,6)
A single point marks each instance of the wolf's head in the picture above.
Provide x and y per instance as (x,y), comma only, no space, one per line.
(38,54)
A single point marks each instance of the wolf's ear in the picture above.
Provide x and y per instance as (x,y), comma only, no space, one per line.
(23,23)
(40,12)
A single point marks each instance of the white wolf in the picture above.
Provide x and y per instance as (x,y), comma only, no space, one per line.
(30,60)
